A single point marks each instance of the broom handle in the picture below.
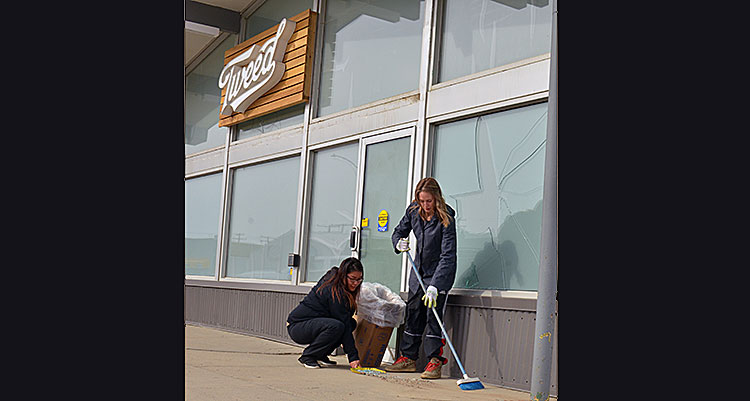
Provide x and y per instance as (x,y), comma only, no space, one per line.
(414,267)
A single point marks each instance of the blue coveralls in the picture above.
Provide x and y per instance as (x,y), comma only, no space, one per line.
(436,263)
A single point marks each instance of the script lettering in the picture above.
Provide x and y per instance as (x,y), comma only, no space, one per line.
(251,74)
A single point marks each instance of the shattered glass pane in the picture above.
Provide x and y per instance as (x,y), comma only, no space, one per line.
(491,171)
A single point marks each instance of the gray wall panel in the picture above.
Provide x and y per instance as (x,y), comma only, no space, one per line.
(260,313)
(495,345)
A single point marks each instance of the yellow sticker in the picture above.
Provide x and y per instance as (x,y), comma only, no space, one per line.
(383,221)
(365,222)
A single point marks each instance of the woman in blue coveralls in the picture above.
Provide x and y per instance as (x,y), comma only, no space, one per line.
(434,225)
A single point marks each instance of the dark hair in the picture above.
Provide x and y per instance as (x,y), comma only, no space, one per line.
(338,281)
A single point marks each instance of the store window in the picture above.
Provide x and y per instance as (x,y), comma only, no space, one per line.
(371,51)
(491,171)
(289,117)
(482,34)
(262,220)
(202,98)
(271,13)
(266,16)
(202,208)
(334,187)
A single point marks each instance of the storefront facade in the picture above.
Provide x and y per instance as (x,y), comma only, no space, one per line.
(372,97)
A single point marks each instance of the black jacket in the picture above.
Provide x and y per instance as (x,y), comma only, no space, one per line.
(323,305)
(435,248)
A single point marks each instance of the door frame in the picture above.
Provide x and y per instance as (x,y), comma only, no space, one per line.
(365,141)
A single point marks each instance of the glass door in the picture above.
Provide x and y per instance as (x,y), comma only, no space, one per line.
(385,171)
(381,203)
(332,208)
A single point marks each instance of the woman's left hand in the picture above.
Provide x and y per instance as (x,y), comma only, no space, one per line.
(355,364)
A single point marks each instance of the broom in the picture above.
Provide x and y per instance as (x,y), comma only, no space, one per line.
(467,383)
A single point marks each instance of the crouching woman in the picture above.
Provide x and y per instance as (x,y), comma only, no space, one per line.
(323,319)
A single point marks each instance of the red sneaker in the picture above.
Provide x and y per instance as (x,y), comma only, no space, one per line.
(402,364)
(432,370)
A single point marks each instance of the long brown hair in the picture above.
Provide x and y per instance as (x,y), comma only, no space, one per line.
(338,281)
(430,185)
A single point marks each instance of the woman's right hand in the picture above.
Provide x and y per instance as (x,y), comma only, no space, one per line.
(355,364)
(403,245)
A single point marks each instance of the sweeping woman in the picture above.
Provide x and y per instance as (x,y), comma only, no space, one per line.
(323,319)
(433,223)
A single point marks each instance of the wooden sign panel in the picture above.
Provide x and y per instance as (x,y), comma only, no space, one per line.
(294,86)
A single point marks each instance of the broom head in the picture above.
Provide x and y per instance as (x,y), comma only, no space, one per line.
(469,383)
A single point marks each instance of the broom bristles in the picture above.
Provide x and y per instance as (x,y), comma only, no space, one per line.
(470,383)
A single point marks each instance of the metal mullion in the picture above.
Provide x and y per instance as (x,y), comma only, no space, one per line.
(225,207)
(418,162)
(306,163)
(359,198)
(303,220)
(300,231)
(320,8)
(437,37)
(425,76)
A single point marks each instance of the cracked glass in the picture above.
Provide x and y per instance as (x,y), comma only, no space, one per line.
(491,171)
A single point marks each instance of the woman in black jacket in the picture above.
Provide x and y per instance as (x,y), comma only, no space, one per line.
(323,318)
(433,223)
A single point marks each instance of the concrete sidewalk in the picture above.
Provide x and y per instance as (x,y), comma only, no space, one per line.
(223,366)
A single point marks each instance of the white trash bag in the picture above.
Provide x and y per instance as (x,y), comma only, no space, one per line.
(379,305)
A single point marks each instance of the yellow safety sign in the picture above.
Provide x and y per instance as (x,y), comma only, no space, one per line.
(383,221)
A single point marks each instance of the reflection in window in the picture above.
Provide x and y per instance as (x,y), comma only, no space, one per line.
(202,205)
(491,170)
(371,51)
(334,188)
(482,34)
(202,98)
(262,220)
(265,17)
(271,13)
(275,121)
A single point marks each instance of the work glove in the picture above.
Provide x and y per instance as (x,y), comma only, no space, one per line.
(403,245)
(430,297)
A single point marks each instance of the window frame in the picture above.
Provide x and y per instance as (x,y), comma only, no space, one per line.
(432,103)
(433,123)
(226,215)
(436,51)
(204,173)
(317,71)
(192,65)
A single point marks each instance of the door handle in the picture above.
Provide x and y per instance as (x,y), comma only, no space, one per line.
(354,238)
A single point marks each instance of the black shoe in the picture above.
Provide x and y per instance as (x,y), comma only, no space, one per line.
(327,361)
(308,363)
